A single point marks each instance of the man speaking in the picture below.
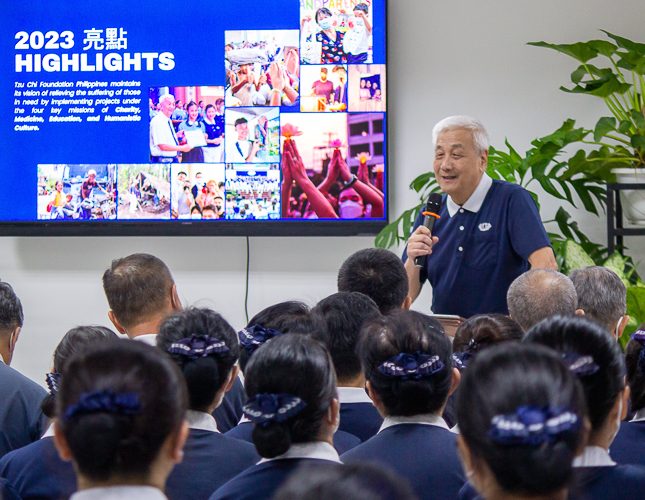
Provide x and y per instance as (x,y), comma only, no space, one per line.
(487,234)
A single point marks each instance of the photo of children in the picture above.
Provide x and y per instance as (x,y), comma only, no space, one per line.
(76,192)
(197,191)
(253,135)
(334,35)
(324,88)
(144,191)
(262,68)
(186,124)
(366,87)
(253,194)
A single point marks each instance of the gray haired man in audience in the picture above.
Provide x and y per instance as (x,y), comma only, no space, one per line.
(539,294)
(602,295)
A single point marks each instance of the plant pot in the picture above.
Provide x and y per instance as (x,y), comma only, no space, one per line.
(633,201)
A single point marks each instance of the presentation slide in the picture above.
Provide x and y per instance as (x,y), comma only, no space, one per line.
(254,110)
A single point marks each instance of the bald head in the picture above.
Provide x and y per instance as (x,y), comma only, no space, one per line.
(538,294)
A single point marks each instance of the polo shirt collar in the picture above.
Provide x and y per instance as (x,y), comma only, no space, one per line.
(639,416)
(318,450)
(594,456)
(474,203)
(353,395)
(428,419)
(200,420)
(147,338)
(120,492)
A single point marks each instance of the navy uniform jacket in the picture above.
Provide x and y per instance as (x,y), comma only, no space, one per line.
(7,492)
(426,455)
(37,472)
(360,419)
(481,252)
(261,481)
(229,413)
(620,482)
(629,444)
(210,460)
(21,420)
(343,441)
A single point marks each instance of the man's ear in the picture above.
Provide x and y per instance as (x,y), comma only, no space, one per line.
(174,299)
(60,441)
(622,325)
(580,312)
(407,303)
(483,160)
(117,325)
(14,338)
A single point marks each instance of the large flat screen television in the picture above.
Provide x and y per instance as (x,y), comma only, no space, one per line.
(231,117)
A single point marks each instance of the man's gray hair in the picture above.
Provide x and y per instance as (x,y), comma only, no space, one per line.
(461,122)
(167,97)
(539,294)
(602,295)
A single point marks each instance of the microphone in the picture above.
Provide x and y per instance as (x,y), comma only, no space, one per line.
(431,213)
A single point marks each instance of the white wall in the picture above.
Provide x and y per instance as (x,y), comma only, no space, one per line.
(457,57)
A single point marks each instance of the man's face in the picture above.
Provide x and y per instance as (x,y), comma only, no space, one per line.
(242,131)
(167,107)
(209,214)
(323,76)
(198,178)
(246,69)
(181,177)
(457,164)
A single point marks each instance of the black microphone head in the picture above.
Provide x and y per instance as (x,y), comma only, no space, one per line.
(434,203)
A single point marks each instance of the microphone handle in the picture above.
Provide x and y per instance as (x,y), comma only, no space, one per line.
(428,222)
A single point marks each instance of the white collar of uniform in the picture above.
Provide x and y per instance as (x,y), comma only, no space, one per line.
(594,456)
(318,450)
(474,203)
(639,416)
(147,338)
(353,395)
(49,432)
(120,493)
(202,421)
(427,419)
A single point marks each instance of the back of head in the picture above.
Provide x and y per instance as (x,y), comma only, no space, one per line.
(74,341)
(406,357)
(538,294)
(117,403)
(341,317)
(332,481)
(296,366)
(483,331)
(635,361)
(596,357)
(205,347)
(11,316)
(601,294)
(379,274)
(506,389)
(137,287)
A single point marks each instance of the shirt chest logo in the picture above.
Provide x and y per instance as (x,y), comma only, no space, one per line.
(485,226)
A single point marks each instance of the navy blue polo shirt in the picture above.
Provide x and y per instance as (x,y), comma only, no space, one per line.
(480,253)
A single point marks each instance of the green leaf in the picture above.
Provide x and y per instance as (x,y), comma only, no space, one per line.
(638,142)
(639,118)
(605,125)
(424,179)
(616,263)
(603,47)
(636,303)
(625,126)
(575,257)
(390,236)
(579,51)
(627,44)
(603,87)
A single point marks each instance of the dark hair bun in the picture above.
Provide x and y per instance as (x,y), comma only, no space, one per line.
(273,440)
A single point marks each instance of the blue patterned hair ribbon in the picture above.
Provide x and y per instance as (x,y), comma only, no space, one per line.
(532,425)
(253,337)
(201,346)
(53,380)
(461,359)
(581,365)
(262,409)
(639,336)
(104,401)
(416,366)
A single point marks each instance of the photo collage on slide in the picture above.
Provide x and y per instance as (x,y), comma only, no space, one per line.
(296,132)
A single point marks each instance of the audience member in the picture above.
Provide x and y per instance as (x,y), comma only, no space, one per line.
(602,296)
(347,482)
(120,409)
(522,420)
(379,274)
(539,294)
(21,420)
(341,317)
(205,348)
(407,362)
(291,386)
(36,471)
(595,358)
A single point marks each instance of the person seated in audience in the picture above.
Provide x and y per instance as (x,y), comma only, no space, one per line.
(379,274)
(341,317)
(120,420)
(539,294)
(141,292)
(407,361)
(291,385)
(21,420)
(36,471)
(279,319)
(522,420)
(595,358)
(205,348)
(602,296)
(347,482)
(629,445)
